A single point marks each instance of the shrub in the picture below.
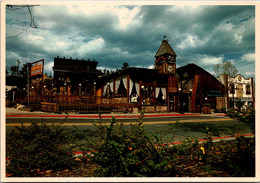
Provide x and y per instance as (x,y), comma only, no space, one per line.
(38,148)
(130,152)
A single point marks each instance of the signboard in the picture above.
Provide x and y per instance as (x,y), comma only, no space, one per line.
(37,68)
(213,93)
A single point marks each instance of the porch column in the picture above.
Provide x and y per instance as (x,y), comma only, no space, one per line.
(114,87)
(154,93)
(194,91)
(140,94)
(127,90)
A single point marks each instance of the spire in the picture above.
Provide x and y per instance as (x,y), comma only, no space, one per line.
(165,48)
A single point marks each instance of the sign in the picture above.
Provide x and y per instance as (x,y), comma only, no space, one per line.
(213,93)
(37,68)
(245,99)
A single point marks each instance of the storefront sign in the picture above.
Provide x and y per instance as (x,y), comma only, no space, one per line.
(37,68)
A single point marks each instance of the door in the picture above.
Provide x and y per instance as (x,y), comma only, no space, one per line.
(173,103)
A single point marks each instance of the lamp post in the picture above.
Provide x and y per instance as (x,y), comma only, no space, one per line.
(94,88)
(65,88)
(79,88)
(190,94)
(180,95)
(143,93)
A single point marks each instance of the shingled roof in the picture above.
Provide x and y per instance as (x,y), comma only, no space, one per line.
(165,48)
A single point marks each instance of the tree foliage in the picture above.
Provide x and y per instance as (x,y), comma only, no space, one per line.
(125,65)
(37,148)
(226,67)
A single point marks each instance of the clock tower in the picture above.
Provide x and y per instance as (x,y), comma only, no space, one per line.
(165,61)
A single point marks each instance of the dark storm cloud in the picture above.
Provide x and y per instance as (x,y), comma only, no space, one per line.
(112,35)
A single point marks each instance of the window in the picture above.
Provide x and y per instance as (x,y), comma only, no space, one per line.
(248,89)
(134,95)
(122,89)
(147,95)
(232,89)
(107,91)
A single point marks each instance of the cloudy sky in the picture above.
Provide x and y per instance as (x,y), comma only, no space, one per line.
(112,35)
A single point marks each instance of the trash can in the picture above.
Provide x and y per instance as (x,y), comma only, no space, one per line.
(206,108)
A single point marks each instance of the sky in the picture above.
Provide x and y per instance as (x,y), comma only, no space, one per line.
(114,34)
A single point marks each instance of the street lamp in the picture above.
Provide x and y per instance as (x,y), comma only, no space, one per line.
(79,88)
(143,94)
(65,88)
(95,88)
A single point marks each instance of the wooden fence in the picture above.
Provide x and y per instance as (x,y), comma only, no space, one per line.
(86,104)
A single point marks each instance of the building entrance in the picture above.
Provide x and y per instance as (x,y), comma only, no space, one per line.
(173,103)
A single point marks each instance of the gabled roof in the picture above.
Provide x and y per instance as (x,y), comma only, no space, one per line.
(136,74)
(165,48)
(209,79)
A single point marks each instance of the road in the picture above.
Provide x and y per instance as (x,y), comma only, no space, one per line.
(173,128)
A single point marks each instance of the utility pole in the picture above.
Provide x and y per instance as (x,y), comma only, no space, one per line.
(226,90)
(18,62)
(28,85)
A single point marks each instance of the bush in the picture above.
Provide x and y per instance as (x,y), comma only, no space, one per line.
(37,148)
(130,152)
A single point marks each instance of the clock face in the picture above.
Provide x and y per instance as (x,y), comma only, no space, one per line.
(171,58)
(170,68)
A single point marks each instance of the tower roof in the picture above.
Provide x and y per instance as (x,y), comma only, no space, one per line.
(165,48)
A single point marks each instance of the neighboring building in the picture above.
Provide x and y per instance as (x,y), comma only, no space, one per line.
(198,88)
(75,76)
(239,89)
(15,89)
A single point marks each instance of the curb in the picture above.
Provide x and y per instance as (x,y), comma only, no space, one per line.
(215,139)
(106,116)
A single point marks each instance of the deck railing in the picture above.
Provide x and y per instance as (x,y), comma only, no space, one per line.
(86,104)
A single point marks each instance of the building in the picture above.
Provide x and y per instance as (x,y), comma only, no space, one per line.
(198,88)
(162,89)
(75,77)
(165,88)
(239,88)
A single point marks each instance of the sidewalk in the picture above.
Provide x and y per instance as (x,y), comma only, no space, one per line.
(12,112)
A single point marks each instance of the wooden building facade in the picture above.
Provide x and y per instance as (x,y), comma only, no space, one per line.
(75,77)
(162,89)
(165,88)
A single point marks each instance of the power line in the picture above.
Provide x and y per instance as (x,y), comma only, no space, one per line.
(32,24)
(16,35)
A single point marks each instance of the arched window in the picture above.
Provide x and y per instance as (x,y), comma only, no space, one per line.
(248,89)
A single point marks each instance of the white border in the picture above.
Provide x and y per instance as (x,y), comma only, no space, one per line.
(136,2)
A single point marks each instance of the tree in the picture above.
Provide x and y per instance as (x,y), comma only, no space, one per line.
(13,70)
(226,67)
(23,71)
(125,65)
